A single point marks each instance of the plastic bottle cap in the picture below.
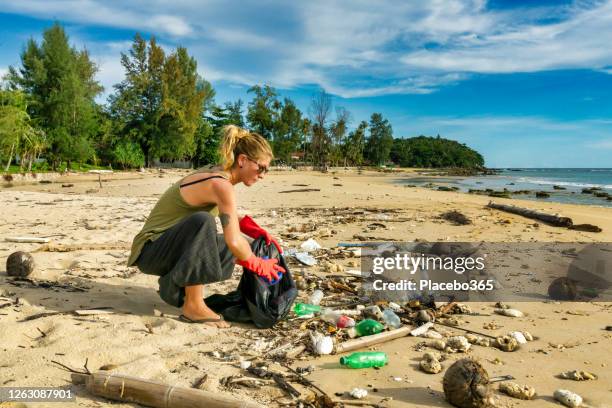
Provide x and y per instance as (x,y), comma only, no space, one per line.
(343,360)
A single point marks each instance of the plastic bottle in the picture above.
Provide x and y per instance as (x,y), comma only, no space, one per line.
(302,309)
(366,327)
(316,297)
(337,318)
(365,359)
(391,319)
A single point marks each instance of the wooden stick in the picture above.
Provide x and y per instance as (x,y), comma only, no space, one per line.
(154,394)
(540,216)
(371,340)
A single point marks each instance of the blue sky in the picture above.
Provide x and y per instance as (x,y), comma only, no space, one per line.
(526,83)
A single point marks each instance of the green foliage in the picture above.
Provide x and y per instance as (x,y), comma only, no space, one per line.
(378,146)
(262,110)
(128,154)
(426,151)
(355,145)
(61,87)
(159,104)
(289,131)
(18,136)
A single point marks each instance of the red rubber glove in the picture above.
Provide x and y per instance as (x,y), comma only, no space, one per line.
(266,268)
(251,229)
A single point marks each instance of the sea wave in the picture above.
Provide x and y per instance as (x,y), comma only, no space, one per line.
(563,183)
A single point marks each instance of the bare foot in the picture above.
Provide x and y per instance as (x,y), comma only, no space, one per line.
(197,313)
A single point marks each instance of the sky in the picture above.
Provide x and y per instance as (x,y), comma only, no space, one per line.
(526,83)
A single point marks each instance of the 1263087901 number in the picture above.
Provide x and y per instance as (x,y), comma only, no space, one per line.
(37,394)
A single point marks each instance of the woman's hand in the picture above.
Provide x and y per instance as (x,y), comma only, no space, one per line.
(266,268)
(249,227)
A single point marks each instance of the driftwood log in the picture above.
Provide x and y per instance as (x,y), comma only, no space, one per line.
(536,215)
(367,341)
(154,394)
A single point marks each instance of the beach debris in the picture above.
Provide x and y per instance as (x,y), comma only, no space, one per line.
(421,330)
(578,375)
(550,219)
(568,398)
(322,345)
(300,190)
(431,334)
(478,340)
(366,341)
(359,393)
(528,336)
(430,363)
(365,359)
(586,228)
(425,316)
(27,240)
(20,264)
(457,344)
(372,312)
(542,194)
(524,392)
(305,258)
(506,343)
(466,385)
(562,289)
(395,307)
(332,267)
(316,297)
(245,364)
(518,336)
(456,217)
(152,393)
(437,344)
(509,312)
(310,245)
(391,319)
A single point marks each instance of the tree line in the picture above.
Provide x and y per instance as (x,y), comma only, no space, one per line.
(163,110)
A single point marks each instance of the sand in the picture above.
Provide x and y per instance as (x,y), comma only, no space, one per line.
(143,337)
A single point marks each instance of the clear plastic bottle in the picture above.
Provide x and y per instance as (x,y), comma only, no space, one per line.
(302,309)
(316,297)
(391,319)
(365,359)
(366,327)
(337,318)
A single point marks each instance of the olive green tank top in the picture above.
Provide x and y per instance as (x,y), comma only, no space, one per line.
(169,211)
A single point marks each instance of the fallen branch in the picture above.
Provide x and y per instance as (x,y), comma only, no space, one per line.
(540,216)
(77,312)
(82,247)
(300,190)
(152,393)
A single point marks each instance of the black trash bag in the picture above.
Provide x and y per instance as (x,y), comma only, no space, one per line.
(255,300)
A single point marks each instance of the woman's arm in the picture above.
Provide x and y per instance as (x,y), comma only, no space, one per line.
(225,198)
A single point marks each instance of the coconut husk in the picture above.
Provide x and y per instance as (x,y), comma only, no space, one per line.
(466,385)
(19,264)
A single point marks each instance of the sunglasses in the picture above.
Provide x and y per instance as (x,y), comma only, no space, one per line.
(260,169)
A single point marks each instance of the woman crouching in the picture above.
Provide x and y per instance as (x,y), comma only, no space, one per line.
(179,241)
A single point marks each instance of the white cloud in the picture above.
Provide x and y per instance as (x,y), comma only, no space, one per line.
(354,47)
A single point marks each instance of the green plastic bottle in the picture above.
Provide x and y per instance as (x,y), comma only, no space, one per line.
(302,309)
(366,327)
(365,359)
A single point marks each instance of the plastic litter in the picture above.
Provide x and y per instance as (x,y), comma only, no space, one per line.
(365,359)
(310,245)
(316,297)
(366,327)
(391,319)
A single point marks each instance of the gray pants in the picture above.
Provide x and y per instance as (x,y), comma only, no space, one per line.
(189,253)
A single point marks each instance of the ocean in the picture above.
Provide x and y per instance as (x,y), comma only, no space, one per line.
(513,179)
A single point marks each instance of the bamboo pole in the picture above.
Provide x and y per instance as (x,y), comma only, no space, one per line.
(154,394)
(366,341)
(540,216)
